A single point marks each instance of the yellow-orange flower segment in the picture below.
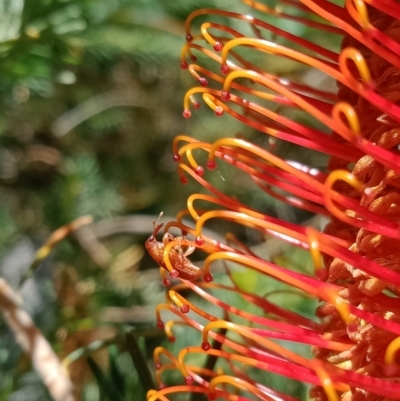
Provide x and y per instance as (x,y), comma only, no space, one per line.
(355,343)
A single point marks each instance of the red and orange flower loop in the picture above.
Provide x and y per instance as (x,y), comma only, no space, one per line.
(356,275)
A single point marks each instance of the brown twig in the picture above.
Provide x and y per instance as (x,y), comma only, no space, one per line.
(31,340)
(52,241)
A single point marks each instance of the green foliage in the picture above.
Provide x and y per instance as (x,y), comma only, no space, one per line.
(105,382)
(8,228)
(81,191)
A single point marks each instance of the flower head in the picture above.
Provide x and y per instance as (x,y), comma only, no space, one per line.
(356,258)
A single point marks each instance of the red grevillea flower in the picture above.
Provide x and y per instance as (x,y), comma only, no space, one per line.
(356,258)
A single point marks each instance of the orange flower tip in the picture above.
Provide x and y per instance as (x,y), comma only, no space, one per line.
(176,158)
(158,366)
(160,324)
(185,308)
(172,339)
(186,113)
(199,171)
(174,274)
(225,95)
(184,65)
(208,278)
(225,69)
(193,58)
(211,165)
(161,386)
(219,111)
(199,241)
(196,105)
(166,282)
(183,233)
(189,37)
(203,82)
(189,380)
(218,46)
(184,180)
(205,345)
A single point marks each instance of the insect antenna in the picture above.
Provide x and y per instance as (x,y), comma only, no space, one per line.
(157,226)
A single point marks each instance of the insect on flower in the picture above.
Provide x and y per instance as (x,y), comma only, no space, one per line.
(356,345)
(178,255)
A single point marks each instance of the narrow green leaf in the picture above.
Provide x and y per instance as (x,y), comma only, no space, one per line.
(104,382)
(140,362)
(116,376)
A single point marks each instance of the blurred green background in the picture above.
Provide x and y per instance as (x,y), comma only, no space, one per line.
(91,97)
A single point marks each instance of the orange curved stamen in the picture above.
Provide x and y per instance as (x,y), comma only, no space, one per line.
(350,53)
(345,109)
(154,395)
(162,351)
(391,350)
(179,300)
(308,22)
(240,384)
(267,307)
(168,328)
(266,268)
(193,68)
(346,176)
(320,271)
(243,331)
(326,381)
(208,198)
(276,49)
(342,175)
(358,10)
(209,38)
(269,83)
(342,307)
(269,157)
(374,223)
(346,26)
(181,138)
(192,91)
(187,150)
(234,357)
(247,220)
